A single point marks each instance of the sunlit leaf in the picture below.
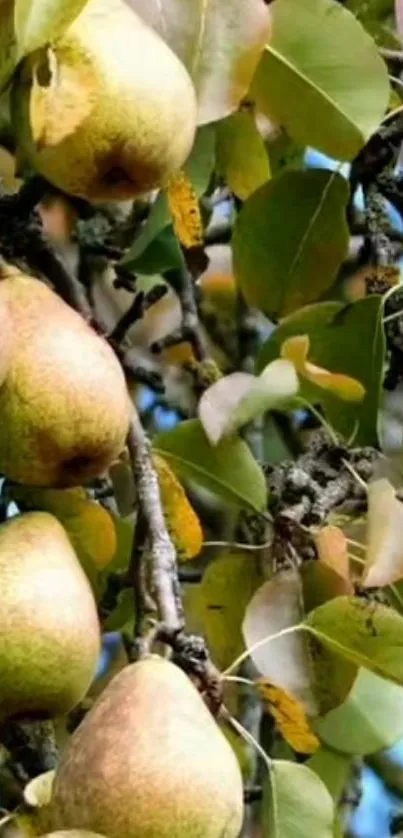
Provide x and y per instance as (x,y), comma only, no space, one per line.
(182,521)
(219,43)
(238,398)
(283,266)
(307,82)
(38,22)
(242,159)
(384,556)
(371,718)
(228,470)
(296,349)
(277,605)
(296,803)
(363,632)
(290,717)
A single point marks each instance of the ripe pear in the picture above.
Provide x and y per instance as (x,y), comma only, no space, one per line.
(109,112)
(64,406)
(72,833)
(49,631)
(149,761)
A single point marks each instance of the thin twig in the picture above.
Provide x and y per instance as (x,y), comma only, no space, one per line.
(181,281)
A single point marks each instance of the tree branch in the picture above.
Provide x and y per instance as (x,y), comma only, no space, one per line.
(164,574)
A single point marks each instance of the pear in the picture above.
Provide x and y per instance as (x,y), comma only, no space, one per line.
(49,631)
(6,343)
(64,406)
(149,761)
(108,113)
(72,833)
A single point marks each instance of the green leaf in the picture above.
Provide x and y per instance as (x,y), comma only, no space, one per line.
(345,339)
(334,770)
(156,222)
(366,633)
(242,158)
(290,239)
(321,77)
(284,153)
(229,470)
(123,615)
(200,164)
(370,719)
(38,22)
(236,399)
(297,804)
(228,584)
(219,43)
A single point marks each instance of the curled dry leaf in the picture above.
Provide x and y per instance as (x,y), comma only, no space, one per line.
(185,211)
(290,717)
(384,557)
(296,349)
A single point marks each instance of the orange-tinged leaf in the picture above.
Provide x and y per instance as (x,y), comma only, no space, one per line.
(181,519)
(290,717)
(331,544)
(185,211)
(296,349)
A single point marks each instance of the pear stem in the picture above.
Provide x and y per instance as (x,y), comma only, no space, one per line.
(162,554)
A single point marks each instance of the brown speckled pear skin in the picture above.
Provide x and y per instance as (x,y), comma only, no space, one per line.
(72,833)
(111,112)
(49,631)
(64,406)
(149,761)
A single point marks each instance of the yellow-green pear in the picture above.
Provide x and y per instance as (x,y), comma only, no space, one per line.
(49,631)
(149,761)
(64,406)
(109,112)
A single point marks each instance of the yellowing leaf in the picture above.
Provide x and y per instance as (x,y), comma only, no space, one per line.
(184,207)
(38,22)
(331,544)
(89,526)
(290,717)
(296,349)
(182,521)
(242,157)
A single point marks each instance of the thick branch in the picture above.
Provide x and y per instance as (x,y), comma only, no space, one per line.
(161,550)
